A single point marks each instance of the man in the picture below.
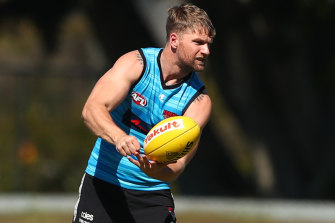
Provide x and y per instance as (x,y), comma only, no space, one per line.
(142,88)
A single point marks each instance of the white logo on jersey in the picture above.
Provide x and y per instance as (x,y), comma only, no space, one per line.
(139,99)
(161,97)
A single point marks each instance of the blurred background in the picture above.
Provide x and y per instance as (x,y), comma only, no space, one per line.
(271,76)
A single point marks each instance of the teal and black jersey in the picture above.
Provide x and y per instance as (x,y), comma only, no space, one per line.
(148,102)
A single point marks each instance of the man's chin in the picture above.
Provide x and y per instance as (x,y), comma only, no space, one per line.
(200,68)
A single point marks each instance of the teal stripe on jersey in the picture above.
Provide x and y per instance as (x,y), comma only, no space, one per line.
(149,101)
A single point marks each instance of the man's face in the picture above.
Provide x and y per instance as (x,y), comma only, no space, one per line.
(193,49)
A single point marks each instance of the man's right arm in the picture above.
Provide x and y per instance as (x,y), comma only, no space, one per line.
(110,90)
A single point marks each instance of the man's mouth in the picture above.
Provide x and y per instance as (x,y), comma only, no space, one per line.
(203,60)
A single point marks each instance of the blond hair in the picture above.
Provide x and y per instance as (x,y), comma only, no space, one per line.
(188,16)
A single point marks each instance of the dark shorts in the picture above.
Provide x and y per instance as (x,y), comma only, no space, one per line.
(102,202)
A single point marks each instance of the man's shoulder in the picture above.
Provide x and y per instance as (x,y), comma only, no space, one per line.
(154,51)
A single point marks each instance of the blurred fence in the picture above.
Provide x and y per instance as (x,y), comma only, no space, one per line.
(282,210)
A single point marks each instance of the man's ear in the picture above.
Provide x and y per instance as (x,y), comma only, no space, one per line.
(174,40)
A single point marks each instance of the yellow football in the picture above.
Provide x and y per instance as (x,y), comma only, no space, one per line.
(171,139)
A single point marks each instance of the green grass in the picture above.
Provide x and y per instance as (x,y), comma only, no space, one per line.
(35,217)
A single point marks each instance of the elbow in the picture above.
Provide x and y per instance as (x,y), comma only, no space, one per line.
(84,114)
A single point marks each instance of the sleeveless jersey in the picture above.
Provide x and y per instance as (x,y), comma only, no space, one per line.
(148,102)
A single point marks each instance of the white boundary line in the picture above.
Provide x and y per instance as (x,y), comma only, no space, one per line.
(313,211)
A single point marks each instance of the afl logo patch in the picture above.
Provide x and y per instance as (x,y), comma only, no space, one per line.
(139,99)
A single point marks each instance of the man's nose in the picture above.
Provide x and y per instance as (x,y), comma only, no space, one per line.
(205,49)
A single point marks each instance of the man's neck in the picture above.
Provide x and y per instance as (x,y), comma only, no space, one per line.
(172,71)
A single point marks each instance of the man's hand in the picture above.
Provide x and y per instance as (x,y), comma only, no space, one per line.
(160,171)
(128,145)
(151,168)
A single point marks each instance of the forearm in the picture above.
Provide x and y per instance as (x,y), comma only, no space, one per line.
(99,121)
(171,171)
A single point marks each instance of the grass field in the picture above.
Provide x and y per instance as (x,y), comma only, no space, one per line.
(55,208)
(35,217)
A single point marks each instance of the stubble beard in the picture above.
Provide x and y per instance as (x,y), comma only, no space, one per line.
(192,64)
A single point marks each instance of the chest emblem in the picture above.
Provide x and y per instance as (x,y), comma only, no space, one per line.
(161,97)
(139,99)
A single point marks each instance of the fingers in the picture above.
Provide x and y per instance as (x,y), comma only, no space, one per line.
(146,160)
(128,145)
(142,162)
(137,163)
(139,158)
(149,167)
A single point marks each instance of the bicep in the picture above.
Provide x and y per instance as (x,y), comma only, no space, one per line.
(200,109)
(114,85)
(201,103)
